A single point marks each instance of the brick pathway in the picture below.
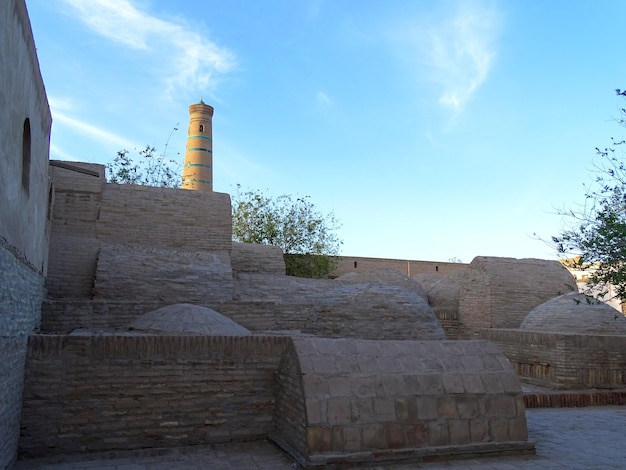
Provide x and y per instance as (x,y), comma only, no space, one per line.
(566,438)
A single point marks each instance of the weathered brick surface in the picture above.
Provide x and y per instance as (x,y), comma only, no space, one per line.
(499,292)
(374,400)
(176,218)
(373,311)
(107,392)
(410,268)
(21,294)
(255,258)
(564,360)
(157,273)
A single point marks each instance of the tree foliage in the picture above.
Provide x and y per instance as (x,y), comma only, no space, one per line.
(596,237)
(149,169)
(307,236)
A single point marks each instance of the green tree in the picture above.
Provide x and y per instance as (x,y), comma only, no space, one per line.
(150,169)
(596,237)
(307,236)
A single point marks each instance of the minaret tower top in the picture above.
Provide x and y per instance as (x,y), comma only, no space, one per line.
(198,169)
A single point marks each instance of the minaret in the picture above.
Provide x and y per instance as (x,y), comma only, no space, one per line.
(198,169)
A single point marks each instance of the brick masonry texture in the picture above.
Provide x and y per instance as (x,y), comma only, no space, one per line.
(173,275)
(89,213)
(380,400)
(500,292)
(254,258)
(21,294)
(564,361)
(111,392)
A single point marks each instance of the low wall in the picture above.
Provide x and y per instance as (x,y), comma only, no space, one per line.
(564,361)
(63,316)
(100,393)
(410,268)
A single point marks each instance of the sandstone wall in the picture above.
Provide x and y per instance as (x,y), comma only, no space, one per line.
(566,361)
(101,393)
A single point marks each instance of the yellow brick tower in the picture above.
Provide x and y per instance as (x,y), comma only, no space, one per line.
(198,169)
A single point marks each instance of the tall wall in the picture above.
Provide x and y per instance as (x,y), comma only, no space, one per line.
(99,393)
(107,235)
(25,123)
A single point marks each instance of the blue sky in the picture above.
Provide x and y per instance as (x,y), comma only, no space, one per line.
(433,129)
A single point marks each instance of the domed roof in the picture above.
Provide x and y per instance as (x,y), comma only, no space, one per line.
(187,319)
(384,276)
(575,313)
(444,295)
(374,311)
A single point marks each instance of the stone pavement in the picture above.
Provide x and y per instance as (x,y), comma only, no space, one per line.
(566,438)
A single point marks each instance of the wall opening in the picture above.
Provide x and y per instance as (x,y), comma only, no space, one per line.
(201,127)
(355,264)
(26,145)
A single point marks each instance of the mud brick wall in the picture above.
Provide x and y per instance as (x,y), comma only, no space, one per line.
(63,316)
(86,394)
(564,361)
(133,272)
(500,292)
(21,293)
(386,400)
(73,244)
(176,218)
(410,268)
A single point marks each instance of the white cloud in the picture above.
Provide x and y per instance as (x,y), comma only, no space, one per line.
(92,131)
(190,59)
(324,99)
(456,51)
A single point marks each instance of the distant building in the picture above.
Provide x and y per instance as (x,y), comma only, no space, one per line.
(198,169)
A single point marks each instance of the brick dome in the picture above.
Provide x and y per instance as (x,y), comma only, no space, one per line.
(187,319)
(575,313)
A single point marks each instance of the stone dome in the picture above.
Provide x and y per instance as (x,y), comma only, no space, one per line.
(384,276)
(373,311)
(187,319)
(575,313)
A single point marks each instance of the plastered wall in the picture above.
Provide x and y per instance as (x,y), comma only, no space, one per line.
(24,227)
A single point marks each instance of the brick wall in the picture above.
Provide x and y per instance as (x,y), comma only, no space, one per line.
(175,218)
(410,268)
(106,392)
(130,272)
(88,213)
(73,244)
(387,400)
(21,294)
(500,292)
(565,361)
